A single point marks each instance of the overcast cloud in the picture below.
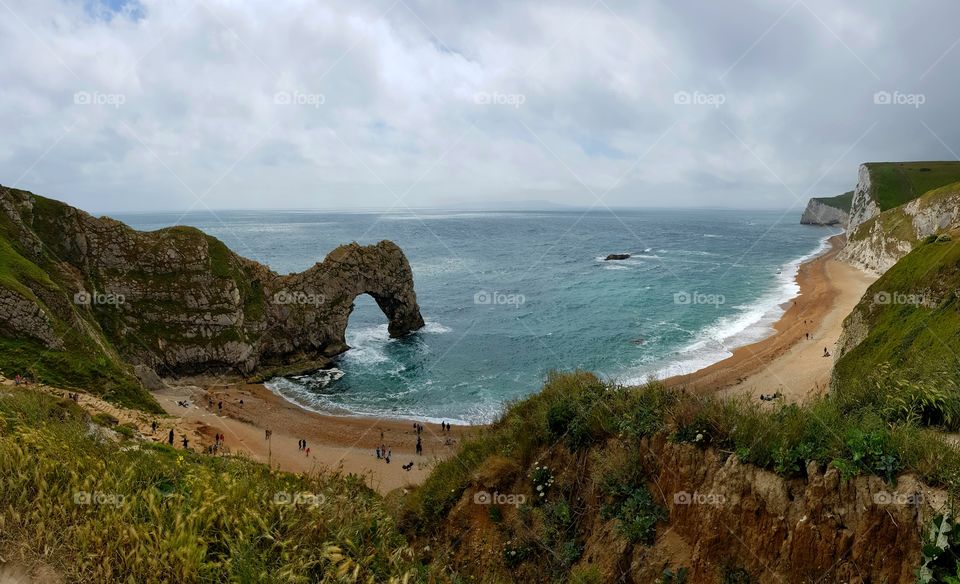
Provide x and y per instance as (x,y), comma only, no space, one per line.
(178,104)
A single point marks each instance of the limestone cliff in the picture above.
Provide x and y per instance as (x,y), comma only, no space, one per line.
(864,205)
(177,300)
(828,211)
(891,211)
(879,242)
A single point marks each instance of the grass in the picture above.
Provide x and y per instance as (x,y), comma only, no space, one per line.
(75,368)
(98,510)
(895,183)
(841,202)
(919,341)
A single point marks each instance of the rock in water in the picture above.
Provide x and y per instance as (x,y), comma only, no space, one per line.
(177,300)
(617,256)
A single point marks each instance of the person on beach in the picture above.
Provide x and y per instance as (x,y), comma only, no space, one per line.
(186,443)
(826,353)
(170,437)
(419,446)
(220,408)
(153,427)
(308,452)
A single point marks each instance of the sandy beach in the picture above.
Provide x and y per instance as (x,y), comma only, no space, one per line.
(789,361)
(344,444)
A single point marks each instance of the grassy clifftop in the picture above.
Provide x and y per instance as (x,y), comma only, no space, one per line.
(895,183)
(841,202)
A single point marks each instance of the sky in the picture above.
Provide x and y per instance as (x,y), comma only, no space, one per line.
(200,105)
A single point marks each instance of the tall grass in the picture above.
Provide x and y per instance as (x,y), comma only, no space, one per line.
(97,510)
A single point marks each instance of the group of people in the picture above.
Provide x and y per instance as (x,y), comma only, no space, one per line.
(20,379)
(303,446)
(74,397)
(384,453)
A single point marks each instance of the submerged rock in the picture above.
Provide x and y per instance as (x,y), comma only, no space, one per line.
(617,256)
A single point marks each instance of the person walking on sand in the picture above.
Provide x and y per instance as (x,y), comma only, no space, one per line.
(170,437)
(378,453)
(153,427)
(308,452)
(186,442)
(419,446)
(220,408)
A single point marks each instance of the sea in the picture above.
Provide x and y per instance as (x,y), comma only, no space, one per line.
(510,296)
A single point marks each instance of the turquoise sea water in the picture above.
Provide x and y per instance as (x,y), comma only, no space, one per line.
(509,296)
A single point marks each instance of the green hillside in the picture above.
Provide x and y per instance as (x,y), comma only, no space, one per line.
(911,316)
(85,360)
(100,509)
(841,202)
(895,183)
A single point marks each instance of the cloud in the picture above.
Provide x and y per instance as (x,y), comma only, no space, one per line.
(175,104)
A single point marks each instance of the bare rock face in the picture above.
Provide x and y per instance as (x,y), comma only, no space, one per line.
(818,213)
(863,207)
(178,301)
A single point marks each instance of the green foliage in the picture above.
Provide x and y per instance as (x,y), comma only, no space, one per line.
(895,183)
(78,366)
(940,550)
(671,577)
(100,512)
(627,499)
(734,575)
(908,356)
(841,202)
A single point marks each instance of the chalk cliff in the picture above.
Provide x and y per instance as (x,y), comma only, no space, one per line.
(827,211)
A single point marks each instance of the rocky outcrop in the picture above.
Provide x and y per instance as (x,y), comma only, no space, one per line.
(179,301)
(818,212)
(616,257)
